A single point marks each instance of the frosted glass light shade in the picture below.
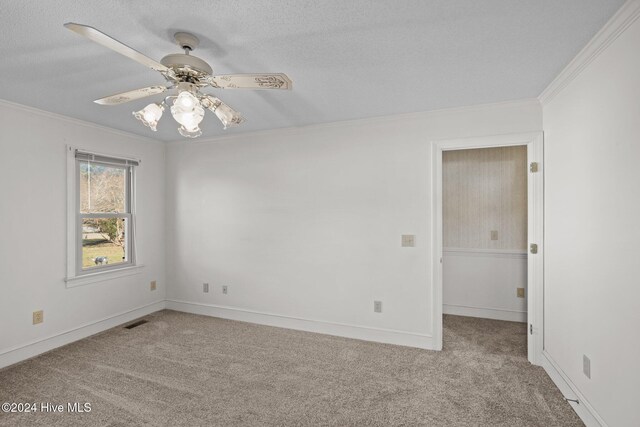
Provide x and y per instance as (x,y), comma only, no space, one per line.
(189,133)
(189,119)
(150,115)
(187,111)
(228,116)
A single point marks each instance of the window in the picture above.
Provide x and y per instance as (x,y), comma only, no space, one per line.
(103,214)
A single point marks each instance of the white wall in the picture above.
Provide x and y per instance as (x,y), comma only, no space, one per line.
(306,223)
(483,283)
(592,224)
(33,238)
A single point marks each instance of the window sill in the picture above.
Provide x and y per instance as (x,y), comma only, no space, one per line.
(101,276)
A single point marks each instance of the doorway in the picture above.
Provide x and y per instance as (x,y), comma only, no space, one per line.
(520,246)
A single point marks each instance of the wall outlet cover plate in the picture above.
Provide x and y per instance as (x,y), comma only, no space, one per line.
(38,317)
(408,240)
(377,306)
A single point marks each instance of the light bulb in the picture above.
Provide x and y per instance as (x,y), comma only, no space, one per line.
(189,119)
(187,111)
(186,100)
(150,115)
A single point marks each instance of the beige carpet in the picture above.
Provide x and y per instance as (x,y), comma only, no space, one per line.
(186,370)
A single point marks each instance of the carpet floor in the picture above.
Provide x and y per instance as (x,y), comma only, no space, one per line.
(186,370)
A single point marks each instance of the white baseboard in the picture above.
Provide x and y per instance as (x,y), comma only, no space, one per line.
(485,313)
(365,333)
(585,411)
(14,355)
(32,349)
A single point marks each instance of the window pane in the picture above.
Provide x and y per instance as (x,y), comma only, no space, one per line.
(102,188)
(104,242)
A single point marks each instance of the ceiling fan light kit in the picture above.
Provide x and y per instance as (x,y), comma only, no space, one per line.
(188,75)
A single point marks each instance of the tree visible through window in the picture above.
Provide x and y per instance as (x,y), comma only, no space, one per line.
(104,215)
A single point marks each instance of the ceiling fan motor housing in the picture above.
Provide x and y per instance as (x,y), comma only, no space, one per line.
(183,63)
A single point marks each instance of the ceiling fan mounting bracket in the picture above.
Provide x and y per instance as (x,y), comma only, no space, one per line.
(186,41)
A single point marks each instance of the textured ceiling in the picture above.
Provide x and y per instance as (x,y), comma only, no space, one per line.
(348,59)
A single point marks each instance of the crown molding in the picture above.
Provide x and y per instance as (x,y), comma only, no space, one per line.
(56,116)
(355,122)
(617,25)
(267,132)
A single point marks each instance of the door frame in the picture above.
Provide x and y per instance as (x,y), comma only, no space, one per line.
(535,231)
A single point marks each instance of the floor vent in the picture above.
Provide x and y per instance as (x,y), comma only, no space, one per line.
(138,323)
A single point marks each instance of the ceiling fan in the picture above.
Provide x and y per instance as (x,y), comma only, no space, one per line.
(187,74)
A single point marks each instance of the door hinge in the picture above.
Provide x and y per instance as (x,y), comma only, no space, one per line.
(533,167)
(530,328)
(533,248)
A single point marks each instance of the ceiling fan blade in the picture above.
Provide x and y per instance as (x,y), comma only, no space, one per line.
(251,81)
(227,115)
(113,44)
(121,98)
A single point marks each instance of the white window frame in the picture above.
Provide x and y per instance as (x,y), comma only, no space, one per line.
(76,275)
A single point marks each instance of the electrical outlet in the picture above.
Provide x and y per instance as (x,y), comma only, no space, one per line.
(520,292)
(377,306)
(38,317)
(205,288)
(494,234)
(225,289)
(408,240)
(586,366)
(152,285)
